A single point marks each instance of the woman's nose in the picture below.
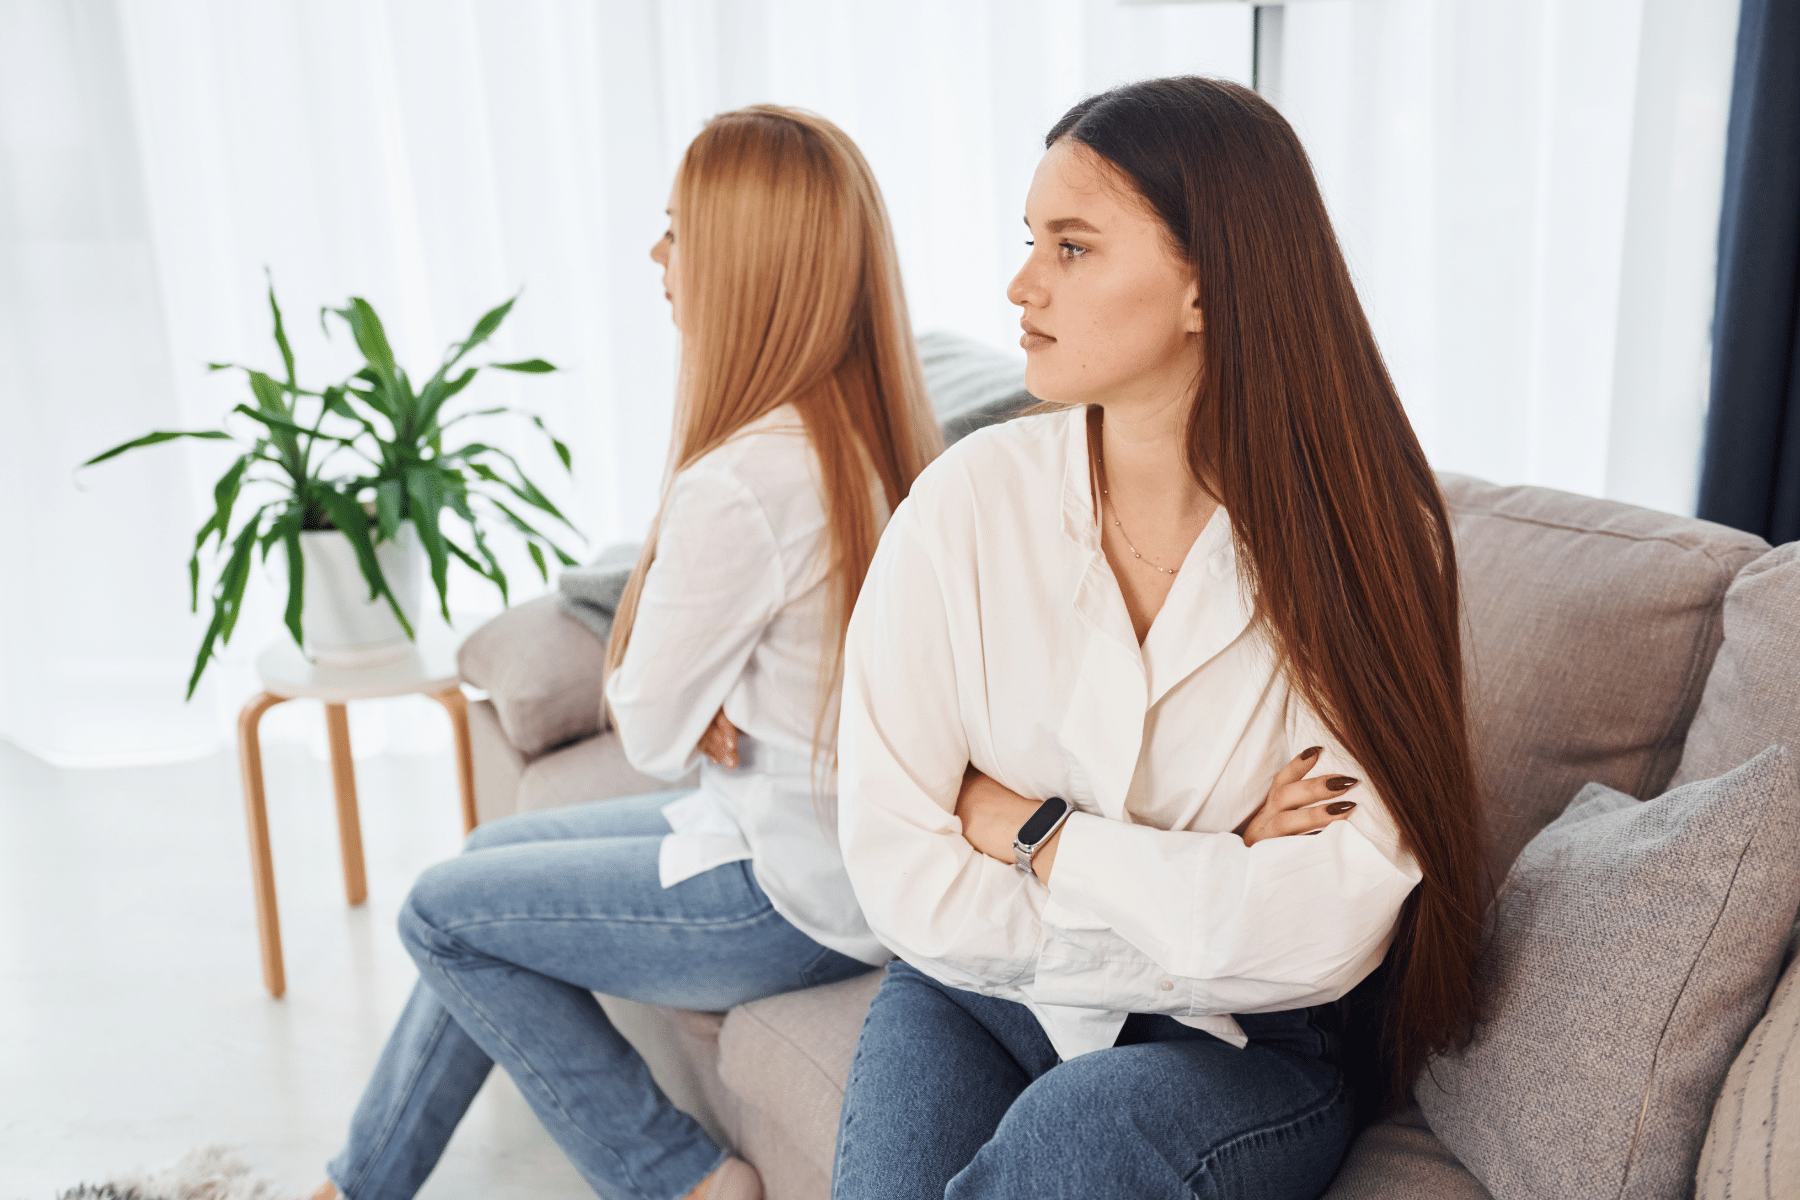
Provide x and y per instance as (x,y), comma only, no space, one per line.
(1023,290)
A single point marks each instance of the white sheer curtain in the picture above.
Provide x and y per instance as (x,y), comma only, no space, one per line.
(1527,192)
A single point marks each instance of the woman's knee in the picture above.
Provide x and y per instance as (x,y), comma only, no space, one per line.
(436,901)
(1143,1118)
(502,831)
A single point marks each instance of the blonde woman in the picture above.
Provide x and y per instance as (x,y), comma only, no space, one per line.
(801,422)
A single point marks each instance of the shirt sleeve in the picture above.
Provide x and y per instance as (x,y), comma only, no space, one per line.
(715,585)
(1199,924)
(966,919)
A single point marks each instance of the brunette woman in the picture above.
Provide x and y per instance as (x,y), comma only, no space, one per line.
(1152,741)
(801,420)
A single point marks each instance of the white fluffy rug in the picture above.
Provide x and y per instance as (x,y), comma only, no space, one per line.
(213,1173)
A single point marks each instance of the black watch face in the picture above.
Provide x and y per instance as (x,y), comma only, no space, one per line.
(1042,821)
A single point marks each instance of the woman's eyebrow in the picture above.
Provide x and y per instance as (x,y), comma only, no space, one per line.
(1064,225)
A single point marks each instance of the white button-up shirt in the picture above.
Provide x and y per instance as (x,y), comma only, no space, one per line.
(992,631)
(733,614)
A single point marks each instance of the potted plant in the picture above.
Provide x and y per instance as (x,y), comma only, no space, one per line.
(358,541)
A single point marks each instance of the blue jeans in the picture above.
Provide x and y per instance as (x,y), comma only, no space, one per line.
(512,940)
(957,1095)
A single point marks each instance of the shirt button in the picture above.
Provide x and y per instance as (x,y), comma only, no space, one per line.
(1166,986)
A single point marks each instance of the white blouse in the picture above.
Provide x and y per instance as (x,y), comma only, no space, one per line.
(992,631)
(733,614)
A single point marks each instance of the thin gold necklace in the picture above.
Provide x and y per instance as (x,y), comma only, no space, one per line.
(1106,497)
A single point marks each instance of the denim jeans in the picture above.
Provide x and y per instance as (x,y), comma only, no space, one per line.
(957,1095)
(512,940)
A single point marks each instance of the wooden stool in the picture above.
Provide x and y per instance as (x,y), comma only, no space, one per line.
(427,667)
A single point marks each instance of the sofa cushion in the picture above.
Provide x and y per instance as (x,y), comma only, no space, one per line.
(1752,1150)
(788,1057)
(543,671)
(1752,697)
(1401,1157)
(1591,628)
(1632,948)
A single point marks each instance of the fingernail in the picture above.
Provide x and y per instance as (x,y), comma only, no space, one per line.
(1309,755)
(1342,806)
(1338,783)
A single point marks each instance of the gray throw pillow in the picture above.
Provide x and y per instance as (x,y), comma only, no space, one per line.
(1632,948)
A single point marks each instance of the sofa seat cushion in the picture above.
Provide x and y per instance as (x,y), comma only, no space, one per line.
(1752,697)
(1401,1157)
(592,769)
(1630,952)
(788,1058)
(543,671)
(1752,1150)
(1591,628)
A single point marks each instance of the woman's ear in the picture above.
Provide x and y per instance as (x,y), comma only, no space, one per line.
(1196,316)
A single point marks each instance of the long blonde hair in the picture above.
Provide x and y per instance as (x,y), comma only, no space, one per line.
(790,294)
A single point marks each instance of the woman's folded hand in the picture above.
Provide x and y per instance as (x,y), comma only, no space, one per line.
(1296,804)
(719,742)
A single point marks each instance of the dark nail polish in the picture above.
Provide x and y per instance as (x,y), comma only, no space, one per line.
(1338,783)
(1309,755)
(1342,806)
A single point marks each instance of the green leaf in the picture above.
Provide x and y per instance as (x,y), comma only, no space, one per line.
(296,580)
(282,425)
(269,394)
(390,498)
(287,352)
(484,329)
(531,366)
(458,499)
(371,338)
(228,597)
(562,451)
(225,494)
(161,435)
(524,489)
(426,489)
(537,556)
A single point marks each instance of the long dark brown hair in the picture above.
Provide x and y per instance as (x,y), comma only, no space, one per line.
(1341,531)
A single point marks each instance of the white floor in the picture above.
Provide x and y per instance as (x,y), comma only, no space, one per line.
(133,1022)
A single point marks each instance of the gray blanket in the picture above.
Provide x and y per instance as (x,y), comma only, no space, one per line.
(591,594)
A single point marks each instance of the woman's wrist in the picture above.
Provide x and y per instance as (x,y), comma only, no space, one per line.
(992,815)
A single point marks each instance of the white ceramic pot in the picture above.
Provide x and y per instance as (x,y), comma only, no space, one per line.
(340,625)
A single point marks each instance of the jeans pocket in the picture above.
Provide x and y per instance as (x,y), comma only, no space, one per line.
(828,966)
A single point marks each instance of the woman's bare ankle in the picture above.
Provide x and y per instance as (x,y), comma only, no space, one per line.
(327,1191)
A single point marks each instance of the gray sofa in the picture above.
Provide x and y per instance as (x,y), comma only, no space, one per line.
(1594,635)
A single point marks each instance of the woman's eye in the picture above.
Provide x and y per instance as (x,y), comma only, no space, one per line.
(1070,250)
(1029,242)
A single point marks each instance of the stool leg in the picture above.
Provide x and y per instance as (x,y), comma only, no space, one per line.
(262,865)
(457,705)
(343,786)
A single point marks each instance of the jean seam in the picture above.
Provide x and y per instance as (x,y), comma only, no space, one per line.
(393,1124)
(505,918)
(1262,1132)
(450,979)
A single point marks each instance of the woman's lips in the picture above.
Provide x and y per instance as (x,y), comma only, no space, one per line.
(1033,340)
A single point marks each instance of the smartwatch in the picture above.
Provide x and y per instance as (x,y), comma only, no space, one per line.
(1037,830)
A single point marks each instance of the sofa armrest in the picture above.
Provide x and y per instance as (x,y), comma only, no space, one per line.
(544,671)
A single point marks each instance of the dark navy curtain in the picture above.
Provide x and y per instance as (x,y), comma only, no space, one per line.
(1750,474)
